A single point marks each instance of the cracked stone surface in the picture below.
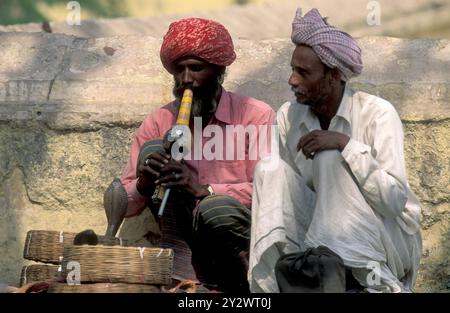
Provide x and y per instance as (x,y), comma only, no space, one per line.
(69,108)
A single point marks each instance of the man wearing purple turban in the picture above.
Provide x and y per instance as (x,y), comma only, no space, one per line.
(340,200)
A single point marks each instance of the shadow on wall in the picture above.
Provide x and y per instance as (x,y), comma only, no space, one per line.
(22,150)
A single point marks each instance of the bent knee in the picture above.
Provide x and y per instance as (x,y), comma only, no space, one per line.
(219,214)
(215,202)
(328,159)
(328,156)
(268,166)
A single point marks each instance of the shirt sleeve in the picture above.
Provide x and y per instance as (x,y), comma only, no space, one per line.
(282,125)
(284,152)
(136,201)
(243,191)
(379,169)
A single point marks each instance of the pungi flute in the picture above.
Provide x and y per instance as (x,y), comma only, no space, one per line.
(184,114)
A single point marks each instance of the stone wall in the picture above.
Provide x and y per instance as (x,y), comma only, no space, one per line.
(69,108)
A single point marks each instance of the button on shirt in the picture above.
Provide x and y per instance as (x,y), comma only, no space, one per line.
(374,152)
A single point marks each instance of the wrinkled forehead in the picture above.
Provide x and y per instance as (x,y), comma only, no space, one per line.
(305,57)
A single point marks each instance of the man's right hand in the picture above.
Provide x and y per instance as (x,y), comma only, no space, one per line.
(149,171)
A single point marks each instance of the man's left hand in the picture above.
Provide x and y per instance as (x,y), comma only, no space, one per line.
(177,174)
(319,140)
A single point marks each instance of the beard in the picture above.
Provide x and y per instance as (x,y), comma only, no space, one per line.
(313,98)
(204,101)
(304,97)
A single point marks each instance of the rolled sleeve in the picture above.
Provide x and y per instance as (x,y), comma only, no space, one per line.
(358,157)
(379,170)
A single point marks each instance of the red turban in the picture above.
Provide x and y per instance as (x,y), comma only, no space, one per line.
(197,37)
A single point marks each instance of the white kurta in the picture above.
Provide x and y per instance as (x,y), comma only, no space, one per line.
(356,202)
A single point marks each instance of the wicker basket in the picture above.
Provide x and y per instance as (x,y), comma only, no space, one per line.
(112,241)
(103,288)
(47,246)
(114,264)
(37,272)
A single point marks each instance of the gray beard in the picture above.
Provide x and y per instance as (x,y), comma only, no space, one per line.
(199,107)
(204,106)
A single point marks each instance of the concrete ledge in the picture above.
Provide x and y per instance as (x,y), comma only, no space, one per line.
(69,83)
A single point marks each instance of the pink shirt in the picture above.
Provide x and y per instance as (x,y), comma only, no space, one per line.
(227,177)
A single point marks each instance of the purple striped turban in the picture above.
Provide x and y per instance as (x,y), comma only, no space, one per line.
(335,48)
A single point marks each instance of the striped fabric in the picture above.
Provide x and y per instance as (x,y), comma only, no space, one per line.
(172,238)
(335,48)
(220,215)
(221,231)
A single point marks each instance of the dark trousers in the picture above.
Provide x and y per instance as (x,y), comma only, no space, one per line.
(219,240)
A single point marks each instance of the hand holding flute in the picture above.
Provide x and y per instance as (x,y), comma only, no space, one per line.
(166,166)
(177,137)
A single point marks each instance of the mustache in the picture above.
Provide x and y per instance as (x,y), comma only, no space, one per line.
(298,90)
(198,92)
(207,91)
(203,96)
(179,89)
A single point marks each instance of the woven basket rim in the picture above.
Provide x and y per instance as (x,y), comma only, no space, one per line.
(124,248)
(47,246)
(115,264)
(103,287)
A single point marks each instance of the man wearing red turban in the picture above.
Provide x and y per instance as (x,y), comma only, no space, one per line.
(207,220)
(201,38)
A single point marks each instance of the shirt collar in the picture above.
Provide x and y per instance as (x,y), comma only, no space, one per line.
(223,112)
(311,121)
(345,108)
